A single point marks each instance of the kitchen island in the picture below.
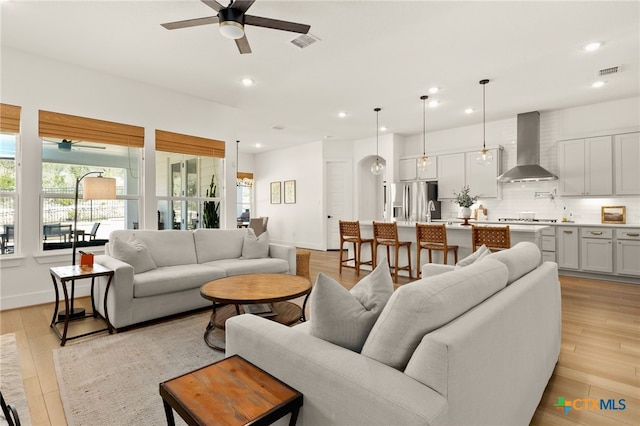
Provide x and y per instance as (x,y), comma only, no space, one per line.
(457,234)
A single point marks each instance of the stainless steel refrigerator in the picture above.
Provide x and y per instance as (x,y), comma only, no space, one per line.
(413,201)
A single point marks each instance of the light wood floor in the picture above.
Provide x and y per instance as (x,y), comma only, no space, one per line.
(599,358)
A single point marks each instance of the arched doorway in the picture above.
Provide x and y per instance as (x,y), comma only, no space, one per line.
(371,190)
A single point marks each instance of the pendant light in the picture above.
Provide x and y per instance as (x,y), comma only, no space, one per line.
(377,167)
(424,162)
(484,157)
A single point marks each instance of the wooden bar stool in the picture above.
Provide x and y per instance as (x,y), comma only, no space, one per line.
(496,238)
(386,234)
(350,233)
(433,237)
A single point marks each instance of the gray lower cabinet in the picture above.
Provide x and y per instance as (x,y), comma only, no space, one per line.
(628,251)
(568,247)
(596,246)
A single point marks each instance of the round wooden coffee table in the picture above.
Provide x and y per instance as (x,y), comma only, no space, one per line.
(252,289)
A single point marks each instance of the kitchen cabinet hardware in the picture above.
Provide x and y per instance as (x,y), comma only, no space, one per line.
(596,233)
(568,232)
(633,234)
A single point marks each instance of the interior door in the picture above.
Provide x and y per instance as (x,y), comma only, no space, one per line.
(339,203)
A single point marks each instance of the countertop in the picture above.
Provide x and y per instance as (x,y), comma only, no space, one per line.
(528,228)
(520,223)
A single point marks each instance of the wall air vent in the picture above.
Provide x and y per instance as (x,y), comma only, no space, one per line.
(304,40)
(608,71)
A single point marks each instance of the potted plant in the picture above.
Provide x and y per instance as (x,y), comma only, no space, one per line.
(465,201)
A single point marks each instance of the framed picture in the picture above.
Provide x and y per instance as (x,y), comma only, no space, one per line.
(614,214)
(275,193)
(289,191)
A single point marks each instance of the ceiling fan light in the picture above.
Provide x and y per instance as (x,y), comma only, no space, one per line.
(232,29)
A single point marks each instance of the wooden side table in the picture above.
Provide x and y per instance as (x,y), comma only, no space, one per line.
(66,274)
(232,391)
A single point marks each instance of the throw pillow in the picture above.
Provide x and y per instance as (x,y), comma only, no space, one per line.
(420,307)
(134,252)
(345,317)
(475,256)
(255,247)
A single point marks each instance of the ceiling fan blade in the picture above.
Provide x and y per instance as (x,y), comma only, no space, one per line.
(276,24)
(213,4)
(191,23)
(242,5)
(75,145)
(243,45)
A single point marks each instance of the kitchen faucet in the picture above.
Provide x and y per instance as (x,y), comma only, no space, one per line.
(431,207)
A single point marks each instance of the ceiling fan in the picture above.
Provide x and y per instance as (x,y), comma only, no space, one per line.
(67,145)
(232,20)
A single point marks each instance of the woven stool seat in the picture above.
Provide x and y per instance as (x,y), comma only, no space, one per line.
(494,237)
(386,234)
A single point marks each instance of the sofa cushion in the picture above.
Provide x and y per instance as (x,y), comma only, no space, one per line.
(267,265)
(520,259)
(475,256)
(171,279)
(216,244)
(255,247)
(167,248)
(345,317)
(134,252)
(419,307)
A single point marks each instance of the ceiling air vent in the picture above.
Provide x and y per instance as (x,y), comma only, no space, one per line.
(608,71)
(304,40)
(278,127)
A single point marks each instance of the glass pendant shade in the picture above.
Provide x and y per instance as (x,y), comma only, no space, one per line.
(484,157)
(377,167)
(423,163)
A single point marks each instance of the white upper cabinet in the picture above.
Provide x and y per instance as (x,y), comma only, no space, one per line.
(585,166)
(627,160)
(451,170)
(482,179)
(407,169)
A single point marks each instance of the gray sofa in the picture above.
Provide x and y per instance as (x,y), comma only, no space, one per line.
(184,261)
(488,365)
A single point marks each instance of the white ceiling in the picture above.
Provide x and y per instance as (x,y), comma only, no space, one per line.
(371,54)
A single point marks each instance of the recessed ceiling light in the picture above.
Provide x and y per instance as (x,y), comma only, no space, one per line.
(433,90)
(433,103)
(598,84)
(247,81)
(383,129)
(592,46)
(468,110)
(258,145)
(342,114)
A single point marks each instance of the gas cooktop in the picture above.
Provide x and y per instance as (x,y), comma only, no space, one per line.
(510,219)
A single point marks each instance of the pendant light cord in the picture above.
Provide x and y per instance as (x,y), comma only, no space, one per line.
(377,110)
(424,125)
(484,112)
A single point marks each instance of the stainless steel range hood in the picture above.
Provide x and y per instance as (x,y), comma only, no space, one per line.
(528,168)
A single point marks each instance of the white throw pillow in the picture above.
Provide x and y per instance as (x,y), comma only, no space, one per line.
(134,252)
(475,256)
(345,317)
(420,307)
(255,247)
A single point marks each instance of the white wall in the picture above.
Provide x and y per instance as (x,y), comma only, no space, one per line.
(36,83)
(301,224)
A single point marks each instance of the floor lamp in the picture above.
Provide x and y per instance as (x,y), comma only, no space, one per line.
(93,188)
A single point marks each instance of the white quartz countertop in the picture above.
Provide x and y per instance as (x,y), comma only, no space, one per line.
(520,223)
(460,227)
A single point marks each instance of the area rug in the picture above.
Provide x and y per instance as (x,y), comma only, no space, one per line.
(11,383)
(114,380)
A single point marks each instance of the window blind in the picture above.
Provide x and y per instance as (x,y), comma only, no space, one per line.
(63,126)
(185,144)
(9,118)
(244,175)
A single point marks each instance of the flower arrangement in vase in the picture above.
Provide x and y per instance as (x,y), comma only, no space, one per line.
(465,201)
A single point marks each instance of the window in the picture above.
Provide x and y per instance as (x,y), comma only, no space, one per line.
(9,129)
(244,185)
(8,194)
(61,168)
(71,147)
(189,174)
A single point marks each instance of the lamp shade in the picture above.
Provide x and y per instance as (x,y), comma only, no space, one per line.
(98,188)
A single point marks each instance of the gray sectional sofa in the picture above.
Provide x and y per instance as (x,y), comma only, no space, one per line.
(487,359)
(164,270)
